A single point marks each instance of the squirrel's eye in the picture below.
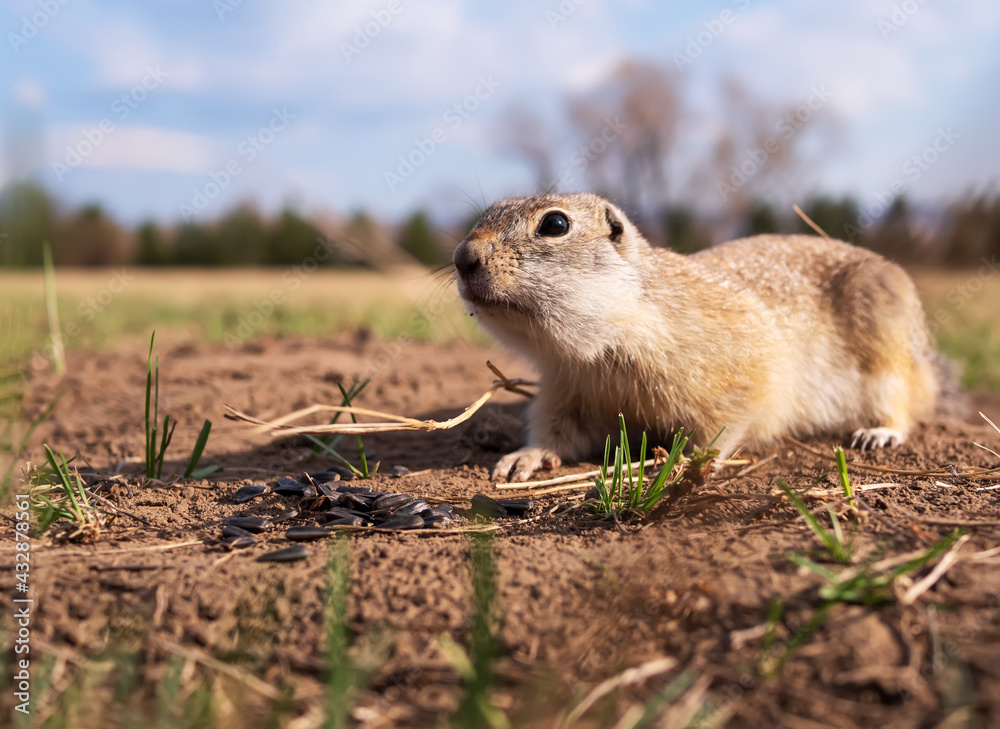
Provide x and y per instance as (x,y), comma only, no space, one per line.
(554,225)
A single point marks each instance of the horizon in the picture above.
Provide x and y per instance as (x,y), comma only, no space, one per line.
(173,109)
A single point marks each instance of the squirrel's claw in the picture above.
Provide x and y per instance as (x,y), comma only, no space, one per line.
(519,465)
(868,439)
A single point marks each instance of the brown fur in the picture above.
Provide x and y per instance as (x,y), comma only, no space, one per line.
(764,336)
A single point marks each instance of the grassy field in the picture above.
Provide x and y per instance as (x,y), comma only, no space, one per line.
(100,308)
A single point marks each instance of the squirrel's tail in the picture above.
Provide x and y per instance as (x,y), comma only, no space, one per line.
(952,402)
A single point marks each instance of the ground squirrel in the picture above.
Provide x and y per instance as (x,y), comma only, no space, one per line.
(765,336)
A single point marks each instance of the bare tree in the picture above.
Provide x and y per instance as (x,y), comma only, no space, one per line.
(524,133)
(765,150)
(629,126)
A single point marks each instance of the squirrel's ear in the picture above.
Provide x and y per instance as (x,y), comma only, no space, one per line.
(617,229)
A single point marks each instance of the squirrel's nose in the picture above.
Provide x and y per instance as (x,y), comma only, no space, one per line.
(470,255)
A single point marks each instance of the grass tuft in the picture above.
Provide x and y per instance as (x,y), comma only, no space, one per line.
(621,485)
(845,481)
(68,501)
(329,445)
(340,673)
(476,666)
(158,437)
(841,551)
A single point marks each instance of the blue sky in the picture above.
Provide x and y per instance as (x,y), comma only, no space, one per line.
(269,88)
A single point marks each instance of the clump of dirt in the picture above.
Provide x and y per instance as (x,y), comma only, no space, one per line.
(578,599)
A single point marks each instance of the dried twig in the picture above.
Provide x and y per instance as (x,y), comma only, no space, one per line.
(391,422)
(919,588)
(988,474)
(625,678)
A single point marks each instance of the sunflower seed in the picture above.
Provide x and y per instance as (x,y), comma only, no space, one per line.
(484,506)
(291,487)
(416,506)
(232,532)
(353,501)
(391,501)
(306,533)
(398,471)
(345,521)
(437,520)
(517,507)
(245,493)
(289,554)
(324,476)
(241,542)
(254,524)
(339,513)
(345,473)
(414,521)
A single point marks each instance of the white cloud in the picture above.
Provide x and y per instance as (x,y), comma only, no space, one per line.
(138,148)
(28,93)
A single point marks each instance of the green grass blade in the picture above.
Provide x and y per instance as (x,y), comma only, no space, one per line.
(340,681)
(933,552)
(19,448)
(803,561)
(206,471)
(322,445)
(52,311)
(199,448)
(149,430)
(361,445)
(835,549)
(166,437)
(838,537)
(712,442)
(845,482)
(626,460)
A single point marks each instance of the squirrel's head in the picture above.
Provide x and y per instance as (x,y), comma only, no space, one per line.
(552,274)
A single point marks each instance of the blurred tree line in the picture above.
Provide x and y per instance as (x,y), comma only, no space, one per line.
(686,179)
(241,237)
(962,233)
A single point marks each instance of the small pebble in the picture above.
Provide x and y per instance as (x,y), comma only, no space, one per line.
(306,533)
(254,524)
(414,521)
(391,501)
(398,471)
(285,516)
(593,494)
(484,506)
(241,542)
(289,554)
(246,493)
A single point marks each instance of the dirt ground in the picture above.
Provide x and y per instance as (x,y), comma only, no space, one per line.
(578,600)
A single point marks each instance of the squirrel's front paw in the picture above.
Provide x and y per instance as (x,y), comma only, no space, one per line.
(868,439)
(519,465)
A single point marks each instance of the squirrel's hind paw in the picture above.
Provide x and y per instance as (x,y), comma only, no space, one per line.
(868,439)
(519,465)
